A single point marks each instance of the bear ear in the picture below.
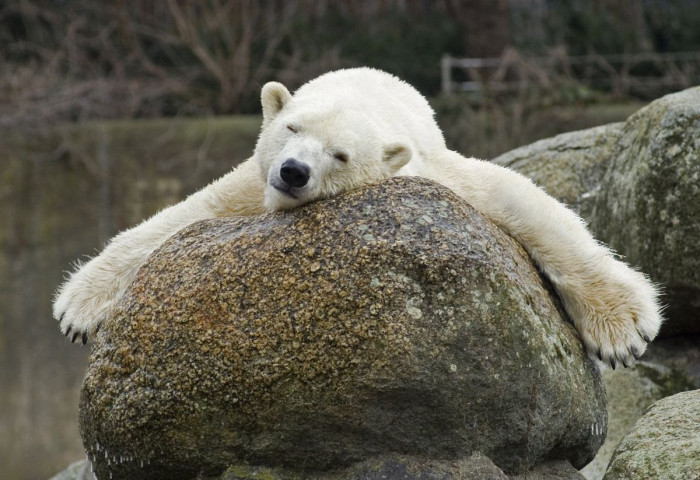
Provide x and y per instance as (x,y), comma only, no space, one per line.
(274,97)
(396,155)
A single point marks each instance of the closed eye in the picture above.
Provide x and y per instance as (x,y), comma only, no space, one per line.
(292,128)
(340,156)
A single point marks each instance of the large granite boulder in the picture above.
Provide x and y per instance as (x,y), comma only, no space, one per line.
(649,205)
(664,443)
(394,320)
(638,184)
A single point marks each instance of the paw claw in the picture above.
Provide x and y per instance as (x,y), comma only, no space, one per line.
(88,296)
(644,336)
(613,363)
(635,352)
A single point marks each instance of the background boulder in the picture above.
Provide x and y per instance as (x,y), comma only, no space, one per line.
(649,203)
(392,320)
(570,166)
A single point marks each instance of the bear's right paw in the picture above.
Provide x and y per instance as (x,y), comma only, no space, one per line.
(617,314)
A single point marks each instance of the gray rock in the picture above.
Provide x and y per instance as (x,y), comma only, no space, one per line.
(79,470)
(394,319)
(630,393)
(649,205)
(479,466)
(388,467)
(553,470)
(664,443)
(569,166)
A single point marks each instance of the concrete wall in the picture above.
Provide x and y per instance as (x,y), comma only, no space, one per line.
(63,193)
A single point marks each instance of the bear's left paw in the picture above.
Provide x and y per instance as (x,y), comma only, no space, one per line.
(617,314)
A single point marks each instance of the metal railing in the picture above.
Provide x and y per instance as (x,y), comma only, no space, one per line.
(619,74)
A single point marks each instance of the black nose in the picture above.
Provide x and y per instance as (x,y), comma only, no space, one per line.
(294,173)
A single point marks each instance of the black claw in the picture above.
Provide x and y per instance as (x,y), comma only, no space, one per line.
(599,355)
(60,319)
(625,363)
(68,331)
(644,336)
(75,335)
(85,337)
(613,363)
(635,352)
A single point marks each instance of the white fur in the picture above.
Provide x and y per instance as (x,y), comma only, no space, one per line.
(359,126)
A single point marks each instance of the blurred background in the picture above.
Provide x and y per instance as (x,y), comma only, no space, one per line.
(111,110)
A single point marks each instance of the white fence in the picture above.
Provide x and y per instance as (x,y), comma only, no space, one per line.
(619,74)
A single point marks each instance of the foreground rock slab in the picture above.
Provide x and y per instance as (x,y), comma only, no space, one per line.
(401,467)
(392,320)
(631,391)
(664,443)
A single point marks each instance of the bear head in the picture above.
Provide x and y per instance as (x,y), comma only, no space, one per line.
(318,147)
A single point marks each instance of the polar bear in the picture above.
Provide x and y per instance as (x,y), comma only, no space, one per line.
(354,127)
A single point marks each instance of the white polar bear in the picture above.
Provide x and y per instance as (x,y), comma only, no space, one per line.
(354,127)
